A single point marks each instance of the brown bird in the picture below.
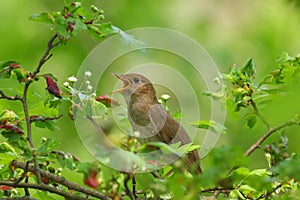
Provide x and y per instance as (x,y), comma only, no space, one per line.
(150,119)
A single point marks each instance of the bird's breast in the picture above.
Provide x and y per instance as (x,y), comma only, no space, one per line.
(138,115)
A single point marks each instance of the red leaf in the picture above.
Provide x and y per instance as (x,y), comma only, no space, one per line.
(5,187)
(14,65)
(71,26)
(45,180)
(91,180)
(107,100)
(12,128)
(52,87)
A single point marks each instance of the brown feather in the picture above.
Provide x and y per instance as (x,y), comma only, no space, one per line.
(153,122)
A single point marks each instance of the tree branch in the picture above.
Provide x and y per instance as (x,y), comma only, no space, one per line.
(266,135)
(217,189)
(46,56)
(12,98)
(42,187)
(20,198)
(58,179)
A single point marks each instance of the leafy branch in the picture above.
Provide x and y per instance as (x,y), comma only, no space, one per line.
(267,134)
(67,25)
(57,179)
(241,91)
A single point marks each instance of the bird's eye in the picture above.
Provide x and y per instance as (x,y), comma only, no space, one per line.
(136,79)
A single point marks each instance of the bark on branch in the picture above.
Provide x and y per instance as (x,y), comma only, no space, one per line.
(57,179)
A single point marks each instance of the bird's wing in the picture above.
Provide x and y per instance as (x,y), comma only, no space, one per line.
(168,129)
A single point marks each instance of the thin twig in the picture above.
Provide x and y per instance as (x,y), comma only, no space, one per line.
(268,194)
(266,135)
(63,155)
(26,189)
(220,190)
(43,119)
(127,190)
(29,133)
(20,198)
(134,187)
(12,98)
(58,179)
(46,56)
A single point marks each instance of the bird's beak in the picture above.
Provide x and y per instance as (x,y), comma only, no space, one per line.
(126,83)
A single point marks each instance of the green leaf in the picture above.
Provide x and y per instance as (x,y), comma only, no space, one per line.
(49,124)
(67,161)
(177,115)
(43,17)
(247,189)
(61,25)
(7,148)
(9,116)
(43,195)
(19,74)
(39,109)
(8,153)
(209,125)
(47,146)
(249,70)
(251,120)
(215,95)
(130,40)
(288,169)
(101,30)
(79,26)
(15,140)
(6,64)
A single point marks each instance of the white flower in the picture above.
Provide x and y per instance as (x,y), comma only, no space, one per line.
(88,82)
(72,79)
(66,84)
(136,134)
(165,97)
(89,87)
(88,74)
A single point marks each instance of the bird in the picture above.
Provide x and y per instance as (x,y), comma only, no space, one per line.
(148,117)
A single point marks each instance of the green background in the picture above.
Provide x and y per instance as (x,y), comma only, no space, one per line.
(231,31)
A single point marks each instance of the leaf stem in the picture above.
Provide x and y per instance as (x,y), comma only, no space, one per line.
(259,115)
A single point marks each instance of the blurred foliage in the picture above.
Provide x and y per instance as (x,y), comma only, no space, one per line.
(261,30)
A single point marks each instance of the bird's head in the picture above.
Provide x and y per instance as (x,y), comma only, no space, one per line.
(136,86)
